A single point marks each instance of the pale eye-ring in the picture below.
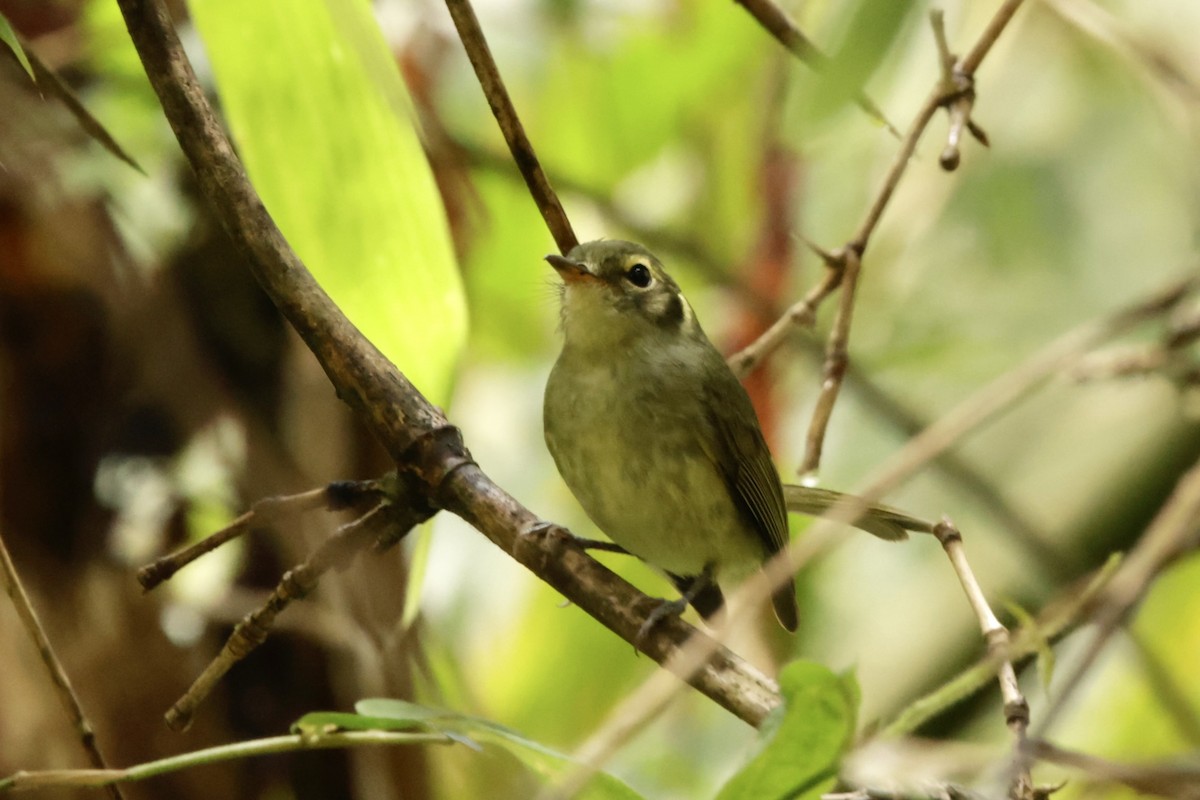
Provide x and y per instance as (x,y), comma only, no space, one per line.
(639,275)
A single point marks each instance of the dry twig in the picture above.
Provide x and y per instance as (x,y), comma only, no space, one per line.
(519,145)
(1179,781)
(943,94)
(1016,708)
(1174,531)
(336,552)
(265,513)
(54,668)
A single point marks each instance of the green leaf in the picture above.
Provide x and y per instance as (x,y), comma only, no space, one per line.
(325,128)
(543,760)
(1045,661)
(9,37)
(327,721)
(321,722)
(872,28)
(804,741)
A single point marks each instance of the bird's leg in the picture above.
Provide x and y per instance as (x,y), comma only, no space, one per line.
(673,608)
(597,544)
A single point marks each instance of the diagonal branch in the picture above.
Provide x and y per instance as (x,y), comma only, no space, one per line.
(431,457)
(510,124)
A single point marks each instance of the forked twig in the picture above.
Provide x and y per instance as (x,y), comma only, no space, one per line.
(266,513)
(336,552)
(943,95)
(1016,708)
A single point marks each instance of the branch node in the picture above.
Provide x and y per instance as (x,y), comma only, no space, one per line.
(946,532)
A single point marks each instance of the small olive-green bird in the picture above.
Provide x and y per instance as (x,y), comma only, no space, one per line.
(657,439)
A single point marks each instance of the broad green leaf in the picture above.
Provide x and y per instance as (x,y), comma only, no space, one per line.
(543,760)
(325,127)
(804,742)
(9,37)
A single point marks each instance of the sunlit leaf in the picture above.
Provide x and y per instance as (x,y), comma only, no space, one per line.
(803,743)
(323,123)
(9,37)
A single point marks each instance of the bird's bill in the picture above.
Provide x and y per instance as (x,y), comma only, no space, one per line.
(571,271)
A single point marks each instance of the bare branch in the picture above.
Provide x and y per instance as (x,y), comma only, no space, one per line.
(510,124)
(1016,708)
(958,88)
(1180,781)
(834,372)
(265,513)
(1173,531)
(336,552)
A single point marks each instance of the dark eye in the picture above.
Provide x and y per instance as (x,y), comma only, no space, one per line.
(639,275)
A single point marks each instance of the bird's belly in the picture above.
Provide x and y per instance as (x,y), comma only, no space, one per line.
(647,484)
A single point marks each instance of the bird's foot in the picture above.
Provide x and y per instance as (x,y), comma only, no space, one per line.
(666,609)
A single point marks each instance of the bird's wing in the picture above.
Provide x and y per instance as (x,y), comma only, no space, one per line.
(740,454)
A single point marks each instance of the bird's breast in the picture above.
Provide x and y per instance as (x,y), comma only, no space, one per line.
(629,445)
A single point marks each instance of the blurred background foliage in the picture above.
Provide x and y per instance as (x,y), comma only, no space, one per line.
(150,393)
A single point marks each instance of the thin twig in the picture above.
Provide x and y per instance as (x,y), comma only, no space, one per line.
(54,668)
(1015,385)
(502,107)
(1016,708)
(1174,530)
(84,778)
(801,314)
(1172,695)
(334,553)
(263,514)
(939,96)
(776,21)
(1180,781)
(834,371)
(1056,620)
